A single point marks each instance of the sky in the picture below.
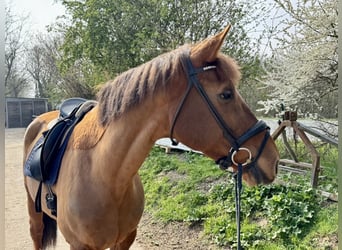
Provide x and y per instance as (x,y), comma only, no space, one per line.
(41,12)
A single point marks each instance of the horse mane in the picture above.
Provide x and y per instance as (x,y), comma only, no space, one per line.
(131,87)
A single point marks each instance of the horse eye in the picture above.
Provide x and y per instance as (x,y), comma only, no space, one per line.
(226,95)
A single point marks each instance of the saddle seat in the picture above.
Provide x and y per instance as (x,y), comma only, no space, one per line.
(69,105)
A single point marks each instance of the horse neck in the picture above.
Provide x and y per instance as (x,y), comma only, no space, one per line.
(128,140)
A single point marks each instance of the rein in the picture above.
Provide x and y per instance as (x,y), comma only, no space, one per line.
(227,161)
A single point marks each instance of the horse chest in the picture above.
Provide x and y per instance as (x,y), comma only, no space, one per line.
(100,214)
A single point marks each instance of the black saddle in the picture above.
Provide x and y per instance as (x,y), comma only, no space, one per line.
(69,105)
(46,156)
(56,138)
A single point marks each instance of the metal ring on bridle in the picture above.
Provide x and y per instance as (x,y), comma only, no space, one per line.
(249,160)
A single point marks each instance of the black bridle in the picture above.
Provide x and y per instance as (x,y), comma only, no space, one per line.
(227,161)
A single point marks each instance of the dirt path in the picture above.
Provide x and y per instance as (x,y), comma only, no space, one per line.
(152,235)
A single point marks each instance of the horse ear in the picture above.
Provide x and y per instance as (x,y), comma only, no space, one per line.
(207,50)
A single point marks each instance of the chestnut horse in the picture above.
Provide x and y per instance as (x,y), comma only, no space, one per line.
(100,194)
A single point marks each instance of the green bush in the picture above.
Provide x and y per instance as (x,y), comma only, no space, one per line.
(190,188)
(287,213)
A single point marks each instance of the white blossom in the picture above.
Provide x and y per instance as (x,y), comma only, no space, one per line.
(303,69)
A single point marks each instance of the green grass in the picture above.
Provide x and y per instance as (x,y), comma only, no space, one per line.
(190,188)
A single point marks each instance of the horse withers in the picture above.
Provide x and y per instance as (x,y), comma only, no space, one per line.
(189,94)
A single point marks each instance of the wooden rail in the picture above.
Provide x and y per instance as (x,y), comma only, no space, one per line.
(315,166)
(313,132)
(290,120)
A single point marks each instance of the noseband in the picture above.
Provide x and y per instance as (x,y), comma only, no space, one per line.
(227,161)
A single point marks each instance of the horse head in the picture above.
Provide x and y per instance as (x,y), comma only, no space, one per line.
(208,114)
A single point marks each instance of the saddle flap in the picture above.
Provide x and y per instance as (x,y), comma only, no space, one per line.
(53,141)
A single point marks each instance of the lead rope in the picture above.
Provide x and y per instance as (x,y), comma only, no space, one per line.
(238,188)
